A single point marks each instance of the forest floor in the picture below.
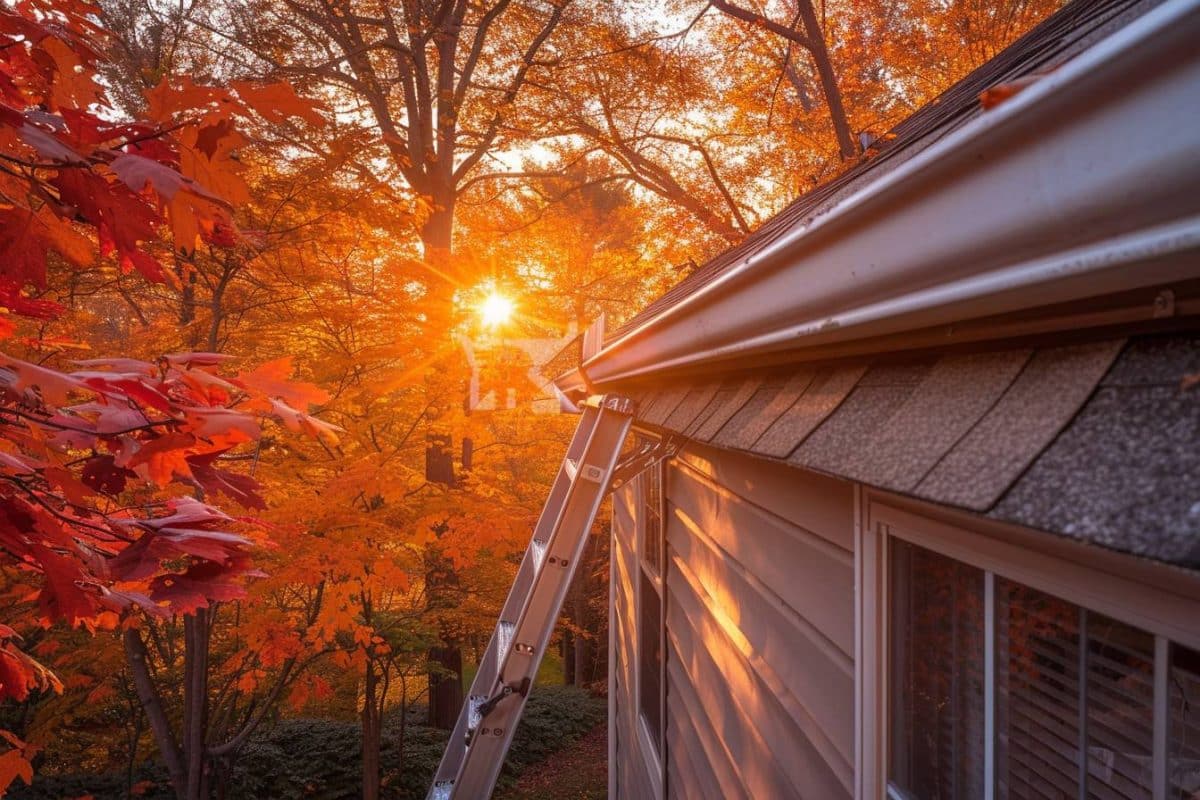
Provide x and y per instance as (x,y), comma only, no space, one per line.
(577,772)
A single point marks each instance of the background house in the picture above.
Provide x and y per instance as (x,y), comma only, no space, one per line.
(934,526)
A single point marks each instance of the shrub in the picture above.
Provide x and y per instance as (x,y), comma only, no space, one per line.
(317,759)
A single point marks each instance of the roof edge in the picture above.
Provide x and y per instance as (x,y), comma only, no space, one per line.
(1048,198)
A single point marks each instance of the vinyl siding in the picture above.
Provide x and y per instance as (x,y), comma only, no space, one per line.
(760,632)
(631,770)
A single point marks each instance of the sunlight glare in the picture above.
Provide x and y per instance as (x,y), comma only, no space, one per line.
(496,310)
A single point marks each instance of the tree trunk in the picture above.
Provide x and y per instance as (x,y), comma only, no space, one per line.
(437,235)
(195,703)
(187,295)
(147,692)
(829,81)
(581,653)
(131,763)
(441,582)
(371,733)
(813,40)
(445,686)
(567,652)
(445,660)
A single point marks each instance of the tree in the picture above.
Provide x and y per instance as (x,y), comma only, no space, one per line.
(581,156)
(80,444)
(438,84)
(81,447)
(811,40)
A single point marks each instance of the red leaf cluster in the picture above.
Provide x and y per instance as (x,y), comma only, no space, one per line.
(70,175)
(91,467)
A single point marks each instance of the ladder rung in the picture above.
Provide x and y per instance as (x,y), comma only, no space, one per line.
(473,716)
(504,637)
(475,752)
(537,548)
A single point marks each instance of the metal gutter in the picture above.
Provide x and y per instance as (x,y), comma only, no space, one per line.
(1085,184)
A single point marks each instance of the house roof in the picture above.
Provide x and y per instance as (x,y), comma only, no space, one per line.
(995,313)
(1056,40)
(1094,441)
(1080,187)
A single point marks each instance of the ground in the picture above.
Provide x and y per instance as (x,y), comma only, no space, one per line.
(578,772)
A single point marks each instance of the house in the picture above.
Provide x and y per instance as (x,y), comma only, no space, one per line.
(932,529)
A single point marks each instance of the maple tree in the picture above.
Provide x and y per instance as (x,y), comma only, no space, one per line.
(162,192)
(79,446)
(437,85)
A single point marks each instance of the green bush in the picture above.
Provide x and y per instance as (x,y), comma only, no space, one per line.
(111,786)
(555,716)
(316,759)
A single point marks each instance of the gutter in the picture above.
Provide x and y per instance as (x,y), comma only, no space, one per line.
(1085,184)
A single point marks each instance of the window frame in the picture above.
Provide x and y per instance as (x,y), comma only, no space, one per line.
(1160,600)
(653,749)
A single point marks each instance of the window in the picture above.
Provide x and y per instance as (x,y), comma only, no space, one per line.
(1183,682)
(937,660)
(650,661)
(991,677)
(650,608)
(652,514)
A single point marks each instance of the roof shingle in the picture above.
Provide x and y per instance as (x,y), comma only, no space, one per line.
(1094,441)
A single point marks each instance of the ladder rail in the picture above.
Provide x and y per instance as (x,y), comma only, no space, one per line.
(546,547)
(536,624)
(489,665)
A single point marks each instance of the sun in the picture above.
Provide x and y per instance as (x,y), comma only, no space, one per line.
(496,309)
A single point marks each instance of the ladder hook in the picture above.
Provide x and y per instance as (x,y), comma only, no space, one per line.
(487,706)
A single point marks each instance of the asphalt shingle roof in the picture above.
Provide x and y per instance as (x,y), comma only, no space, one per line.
(1097,441)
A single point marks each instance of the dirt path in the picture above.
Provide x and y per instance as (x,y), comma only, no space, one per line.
(580,772)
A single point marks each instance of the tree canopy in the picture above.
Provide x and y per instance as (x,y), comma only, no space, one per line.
(242,245)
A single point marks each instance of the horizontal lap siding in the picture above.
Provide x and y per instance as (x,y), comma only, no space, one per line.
(633,781)
(760,623)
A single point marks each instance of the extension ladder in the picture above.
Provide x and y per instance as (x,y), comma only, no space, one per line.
(489,716)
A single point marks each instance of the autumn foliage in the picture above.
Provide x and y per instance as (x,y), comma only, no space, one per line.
(101,467)
(241,246)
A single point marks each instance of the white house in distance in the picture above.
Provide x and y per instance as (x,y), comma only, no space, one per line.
(933,529)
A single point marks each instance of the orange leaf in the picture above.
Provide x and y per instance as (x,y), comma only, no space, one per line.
(13,765)
(206,157)
(71,487)
(995,95)
(164,457)
(180,93)
(278,101)
(60,235)
(74,85)
(271,380)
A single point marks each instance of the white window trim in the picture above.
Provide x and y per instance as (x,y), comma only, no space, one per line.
(653,757)
(1167,608)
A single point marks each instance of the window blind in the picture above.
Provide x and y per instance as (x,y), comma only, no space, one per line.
(1120,709)
(1074,693)
(1183,696)
(1037,694)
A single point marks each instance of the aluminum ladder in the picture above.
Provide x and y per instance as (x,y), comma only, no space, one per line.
(493,707)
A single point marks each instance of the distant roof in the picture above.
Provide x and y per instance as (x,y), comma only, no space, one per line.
(1056,40)
(1096,441)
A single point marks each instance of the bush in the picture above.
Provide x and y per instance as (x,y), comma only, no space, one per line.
(555,716)
(316,759)
(111,786)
